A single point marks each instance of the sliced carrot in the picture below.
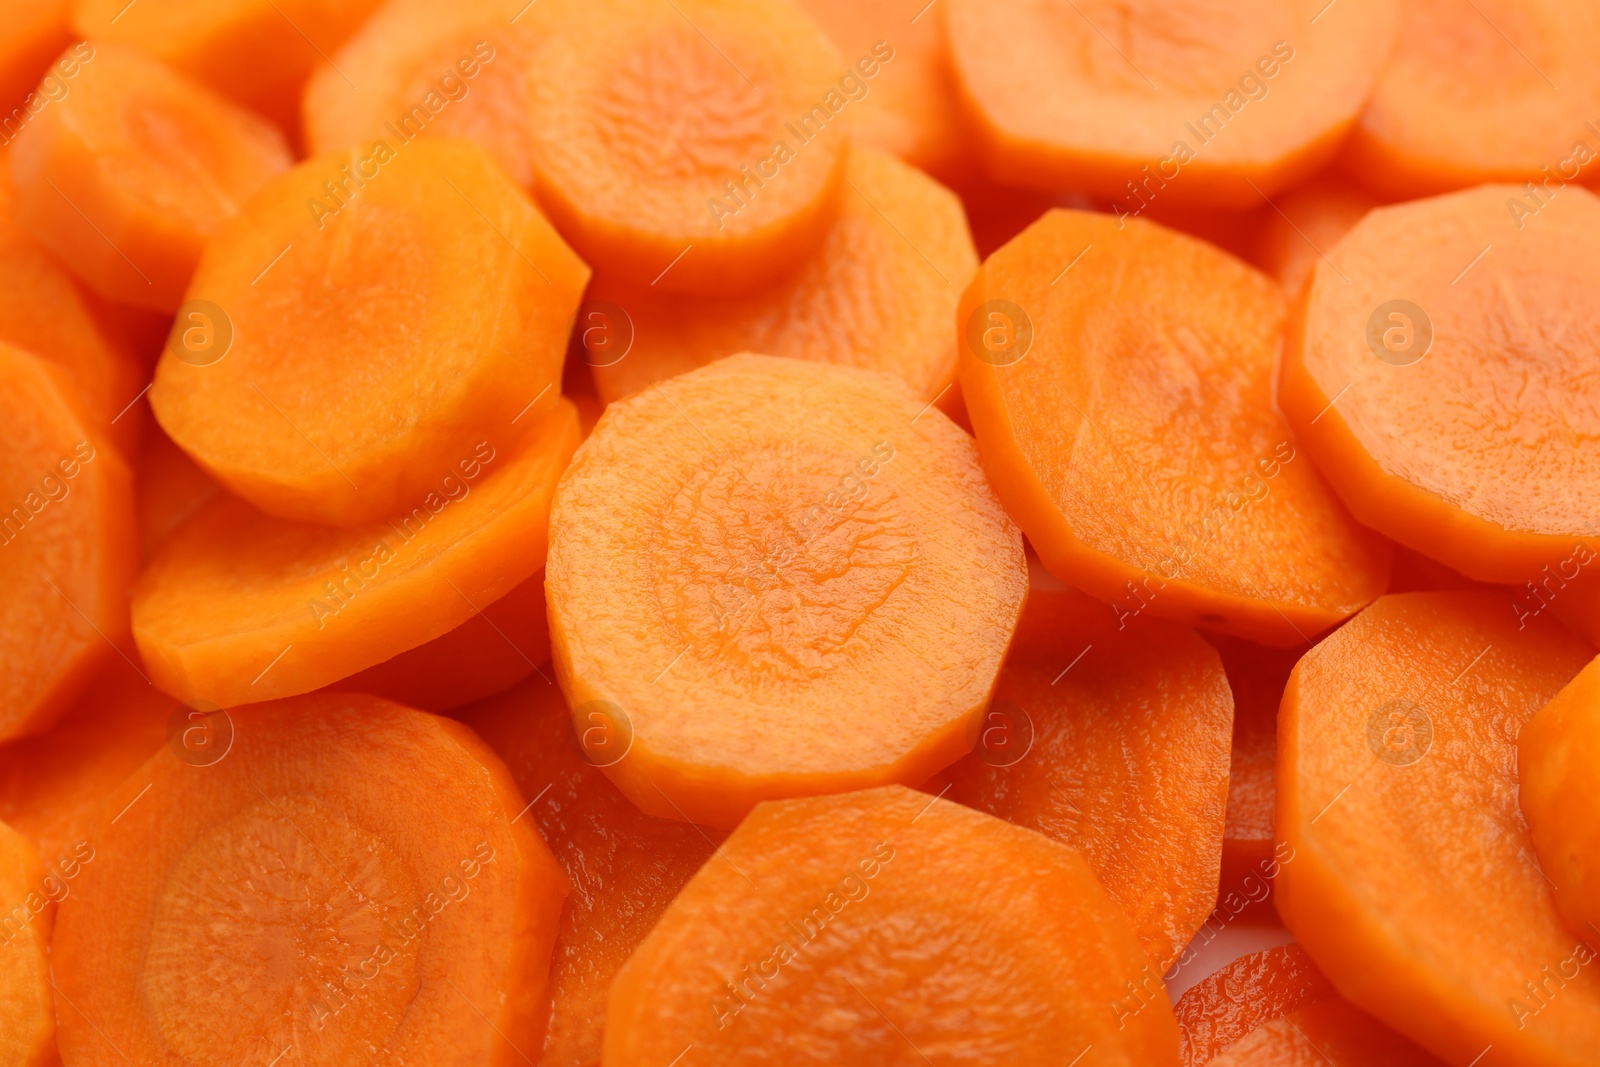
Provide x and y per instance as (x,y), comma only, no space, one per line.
(1303,226)
(366,892)
(1119,377)
(1210,104)
(1579,605)
(1256,988)
(237,606)
(822,600)
(696,146)
(381,309)
(868,929)
(1440,322)
(67,545)
(127,176)
(625,866)
(879,293)
(27,1020)
(1330,1033)
(1415,573)
(36,32)
(1412,883)
(170,489)
(1235,232)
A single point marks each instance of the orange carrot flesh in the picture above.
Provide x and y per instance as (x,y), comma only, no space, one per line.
(1256,677)
(1329,1033)
(35,34)
(1229,1003)
(27,1022)
(1303,226)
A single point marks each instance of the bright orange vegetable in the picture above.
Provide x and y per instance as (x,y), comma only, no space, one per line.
(27,1022)
(36,32)
(1558,758)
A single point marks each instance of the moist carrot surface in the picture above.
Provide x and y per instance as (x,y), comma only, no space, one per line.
(1330,1033)
(1120,381)
(851,896)
(1413,883)
(815,584)
(27,1022)
(238,607)
(1254,989)
(1441,377)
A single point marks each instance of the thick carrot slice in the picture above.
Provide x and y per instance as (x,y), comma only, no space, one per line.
(625,866)
(879,293)
(27,1020)
(1558,755)
(822,601)
(365,888)
(1413,884)
(67,548)
(868,932)
(1115,743)
(1330,1033)
(1256,988)
(1303,226)
(694,146)
(1119,377)
(363,360)
(170,489)
(126,177)
(1256,677)
(1213,104)
(237,606)
(1439,322)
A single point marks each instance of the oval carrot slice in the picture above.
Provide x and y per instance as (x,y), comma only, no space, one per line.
(625,866)
(1330,1033)
(847,897)
(361,362)
(1213,104)
(1557,763)
(27,1019)
(128,174)
(1304,224)
(696,147)
(879,293)
(822,601)
(1441,321)
(346,917)
(1256,988)
(1412,883)
(1256,677)
(35,34)
(1119,378)
(237,606)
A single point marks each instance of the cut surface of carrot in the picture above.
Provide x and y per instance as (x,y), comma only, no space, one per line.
(27,1020)
(237,606)
(1441,375)
(1256,988)
(366,889)
(126,176)
(1303,226)
(169,489)
(1413,885)
(1330,1033)
(375,326)
(880,292)
(1119,378)
(870,926)
(816,583)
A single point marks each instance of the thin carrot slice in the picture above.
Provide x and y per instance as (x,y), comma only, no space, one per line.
(1256,677)
(36,32)
(1439,322)
(1303,226)
(237,606)
(625,866)
(27,1019)
(1413,884)
(821,602)
(127,176)
(171,487)
(1213,104)
(868,929)
(355,294)
(696,146)
(67,549)
(366,893)
(1257,988)
(1115,743)
(879,293)
(1119,378)
(1330,1033)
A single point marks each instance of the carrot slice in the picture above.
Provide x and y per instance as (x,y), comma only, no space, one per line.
(1579,606)
(126,177)
(1212,104)
(1256,988)
(822,601)
(1557,762)
(696,146)
(625,866)
(67,551)
(1438,322)
(879,293)
(36,32)
(1412,883)
(1119,378)
(1303,226)
(868,931)
(27,1020)
(1330,1033)
(170,489)
(362,363)
(237,606)
(1115,743)
(1256,677)
(349,914)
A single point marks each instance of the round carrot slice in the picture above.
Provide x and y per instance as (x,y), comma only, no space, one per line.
(27,1019)
(1256,988)
(1558,757)
(879,293)
(1303,226)
(1214,104)
(817,585)
(867,929)
(695,146)
(345,918)
(237,607)
(1330,1033)
(360,323)
(1413,884)
(1440,322)
(1119,378)
(126,176)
